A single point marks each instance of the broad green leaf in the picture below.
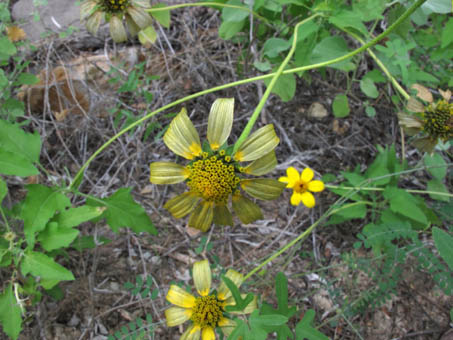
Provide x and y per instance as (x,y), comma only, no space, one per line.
(3,190)
(273,46)
(438,6)
(163,17)
(123,211)
(262,66)
(369,9)
(369,88)
(376,76)
(305,330)
(14,164)
(405,204)
(7,47)
(228,29)
(40,205)
(39,264)
(241,331)
(437,165)
(349,212)
(447,33)
(284,87)
(3,80)
(88,242)
(437,185)
(10,313)
(15,140)
(13,107)
(27,79)
(340,106)
(331,48)
(444,244)
(147,36)
(306,29)
(351,19)
(72,217)
(269,320)
(235,14)
(55,237)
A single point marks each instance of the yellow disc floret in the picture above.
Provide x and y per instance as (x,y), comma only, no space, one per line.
(212,178)
(114,6)
(207,311)
(438,120)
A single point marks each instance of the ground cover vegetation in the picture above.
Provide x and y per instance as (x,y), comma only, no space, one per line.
(310,171)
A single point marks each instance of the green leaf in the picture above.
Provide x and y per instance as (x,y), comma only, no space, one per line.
(447,33)
(240,303)
(437,165)
(405,204)
(262,66)
(349,212)
(305,330)
(369,88)
(10,313)
(15,140)
(15,165)
(55,237)
(39,264)
(123,211)
(438,186)
(241,331)
(235,14)
(72,217)
(228,29)
(345,18)
(40,205)
(13,107)
(273,46)
(3,190)
(7,47)
(331,48)
(3,80)
(88,242)
(284,87)
(370,111)
(163,17)
(444,244)
(438,6)
(147,36)
(27,79)
(306,30)
(340,106)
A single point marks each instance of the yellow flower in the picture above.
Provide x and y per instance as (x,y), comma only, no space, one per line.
(214,173)
(206,311)
(15,33)
(302,185)
(434,121)
(115,12)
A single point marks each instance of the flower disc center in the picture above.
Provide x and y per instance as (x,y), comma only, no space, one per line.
(114,6)
(437,120)
(300,187)
(207,311)
(213,178)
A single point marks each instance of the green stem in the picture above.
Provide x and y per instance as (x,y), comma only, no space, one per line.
(5,219)
(79,174)
(245,133)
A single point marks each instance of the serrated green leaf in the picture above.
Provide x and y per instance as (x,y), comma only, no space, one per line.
(284,87)
(7,47)
(444,244)
(273,46)
(123,211)
(305,330)
(27,79)
(438,186)
(40,205)
(240,303)
(73,217)
(405,204)
(15,140)
(3,190)
(331,48)
(10,313)
(369,88)
(15,165)
(437,165)
(241,331)
(340,106)
(39,264)
(13,107)
(55,237)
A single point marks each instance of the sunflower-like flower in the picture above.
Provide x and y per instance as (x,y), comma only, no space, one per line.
(214,173)
(206,311)
(303,185)
(115,12)
(434,121)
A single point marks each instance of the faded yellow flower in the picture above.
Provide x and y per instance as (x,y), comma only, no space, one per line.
(15,33)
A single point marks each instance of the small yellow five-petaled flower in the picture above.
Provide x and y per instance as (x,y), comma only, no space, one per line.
(302,186)
(207,311)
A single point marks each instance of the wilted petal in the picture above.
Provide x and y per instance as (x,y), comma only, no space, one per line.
(87,8)
(307,175)
(414,105)
(117,30)
(202,277)
(94,21)
(167,173)
(227,325)
(193,333)
(141,3)
(223,291)
(140,17)
(262,165)
(316,186)
(263,188)
(246,210)
(220,122)
(182,137)
(182,205)
(222,215)
(258,144)
(132,26)
(202,216)
(179,297)
(176,315)
(425,144)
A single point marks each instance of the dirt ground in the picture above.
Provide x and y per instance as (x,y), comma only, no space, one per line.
(189,57)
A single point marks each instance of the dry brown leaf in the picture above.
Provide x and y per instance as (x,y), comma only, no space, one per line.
(192,232)
(445,94)
(414,105)
(339,128)
(15,33)
(423,93)
(317,110)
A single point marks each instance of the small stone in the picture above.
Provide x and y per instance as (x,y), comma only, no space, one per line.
(317,110)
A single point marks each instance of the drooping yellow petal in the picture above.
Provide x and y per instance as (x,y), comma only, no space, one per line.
(182,137)
(262,165)
(316,186)
(307,175)
(117,30)
(167,173)
(222,215)
(207,333)
(192,333)
(308,199)
(94,21)
(202,216)
(296,198)
(227,325)
(202,277)
(182,205)
(246,210)
(409,121)
(263,188)
(220,122)
(258,144)
(140,17)
(87,8)
(414,105)
(176,315)
(179,297)
(223,292)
